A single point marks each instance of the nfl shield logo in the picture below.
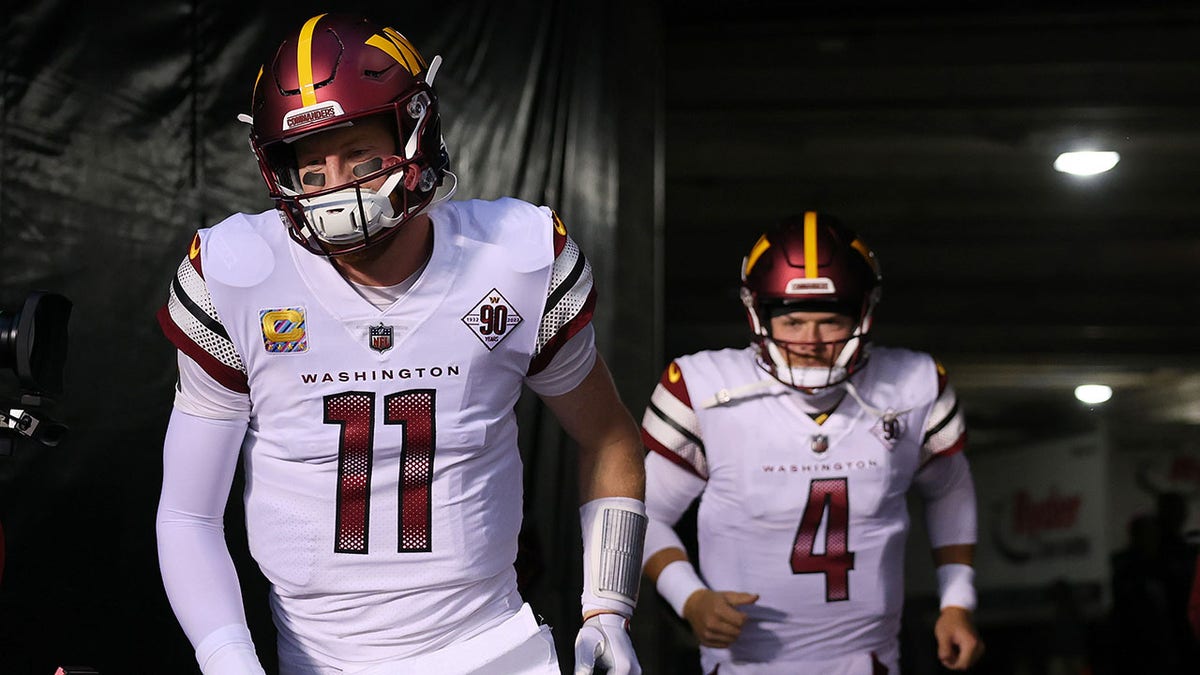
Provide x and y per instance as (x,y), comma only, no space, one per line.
(381,338)
(820,444)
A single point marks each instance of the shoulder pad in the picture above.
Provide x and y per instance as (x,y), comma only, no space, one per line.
(525,231)
(236,255)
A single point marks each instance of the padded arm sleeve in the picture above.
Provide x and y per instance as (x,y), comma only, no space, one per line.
(199,459)
(614,529)
(949,493)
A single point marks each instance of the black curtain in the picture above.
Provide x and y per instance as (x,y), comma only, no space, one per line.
(118,139)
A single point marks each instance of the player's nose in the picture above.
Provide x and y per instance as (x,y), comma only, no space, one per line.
(338,172)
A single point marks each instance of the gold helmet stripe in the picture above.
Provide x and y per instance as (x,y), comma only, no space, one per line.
(760,247)
(861,247)
(383,44)
(811,268)
(308,91)
(257,79)
(406,47)
(399,48)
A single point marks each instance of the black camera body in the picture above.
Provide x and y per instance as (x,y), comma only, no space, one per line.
(33,345)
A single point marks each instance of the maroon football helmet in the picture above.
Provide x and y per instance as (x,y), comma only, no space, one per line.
(810,263)
(334,70)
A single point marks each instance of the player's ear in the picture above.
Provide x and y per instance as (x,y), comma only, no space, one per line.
(412,177)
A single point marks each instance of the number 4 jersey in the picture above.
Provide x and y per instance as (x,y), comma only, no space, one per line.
(807,511)
(383,493)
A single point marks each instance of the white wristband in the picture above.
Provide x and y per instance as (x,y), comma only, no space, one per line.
(677,582)
(956,586)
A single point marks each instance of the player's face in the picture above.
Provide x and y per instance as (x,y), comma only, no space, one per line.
(811,339)
(341,155)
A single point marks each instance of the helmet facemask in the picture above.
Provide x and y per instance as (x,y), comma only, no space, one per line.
(849,353)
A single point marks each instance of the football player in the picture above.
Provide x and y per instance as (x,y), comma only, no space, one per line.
(800,449)
(361,347)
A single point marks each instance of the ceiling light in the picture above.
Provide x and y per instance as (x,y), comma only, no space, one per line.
(1093,393)
(1086,163)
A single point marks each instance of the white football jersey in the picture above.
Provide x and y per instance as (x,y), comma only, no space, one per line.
(383,497)
(807,512)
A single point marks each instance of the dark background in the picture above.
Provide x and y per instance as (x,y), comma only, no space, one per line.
(666,134)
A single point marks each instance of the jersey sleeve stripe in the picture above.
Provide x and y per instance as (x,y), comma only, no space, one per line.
(570,300)
(947,428)
(546,352)
(663,422)
(231,379)
(946,435)
(196,311)
(700,470)
(576,265)
(958,446)
(670,428)
(667,404)
(659,437)
(945,409)
(190,322)
(944,421)
(192,307)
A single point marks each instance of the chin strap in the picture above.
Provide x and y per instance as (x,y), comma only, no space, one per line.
(885,415)
(724,396)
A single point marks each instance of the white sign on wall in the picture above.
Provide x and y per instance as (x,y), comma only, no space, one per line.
(1042,514)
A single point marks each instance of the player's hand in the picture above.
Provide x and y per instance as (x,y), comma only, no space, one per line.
(959,646)
(603,641)
(714,616)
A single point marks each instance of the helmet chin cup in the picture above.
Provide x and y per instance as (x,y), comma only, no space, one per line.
(347,216)
(806,378)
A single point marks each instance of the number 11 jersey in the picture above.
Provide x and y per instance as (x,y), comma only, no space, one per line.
(383,495)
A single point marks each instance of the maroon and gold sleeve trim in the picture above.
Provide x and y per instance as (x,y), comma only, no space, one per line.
(570,300)
(189,320)
(670,426)
(946,426)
